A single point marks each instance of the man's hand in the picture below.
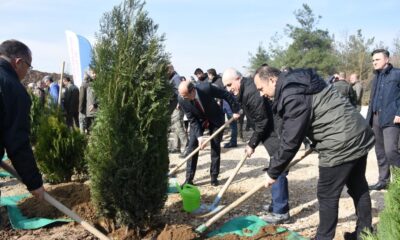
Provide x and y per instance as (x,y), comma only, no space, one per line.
(201,142)
(236,116)
(38,193)
(396,120)
(269,180)
(249,151)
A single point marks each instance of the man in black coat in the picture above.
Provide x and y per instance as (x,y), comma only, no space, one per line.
(15,104)
(266,130)
(199,104)
(310,107)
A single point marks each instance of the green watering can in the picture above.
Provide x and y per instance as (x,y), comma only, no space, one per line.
(191,197)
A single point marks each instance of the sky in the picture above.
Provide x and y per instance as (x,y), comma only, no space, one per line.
(199,33)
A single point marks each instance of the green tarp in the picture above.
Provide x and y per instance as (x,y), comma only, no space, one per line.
(18,221)
(249,226)
(4,173)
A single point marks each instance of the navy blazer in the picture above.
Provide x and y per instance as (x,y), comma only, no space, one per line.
(391,98)
(212,111)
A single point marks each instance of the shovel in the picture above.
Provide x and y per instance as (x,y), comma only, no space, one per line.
(203,227)
(60,206)
(198,148)
(213,208)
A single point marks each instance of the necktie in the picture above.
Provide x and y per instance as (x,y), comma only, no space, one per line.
(201,109)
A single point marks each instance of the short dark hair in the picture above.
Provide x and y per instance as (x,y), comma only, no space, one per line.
(266,72)
(381,50)
(212,71)
(15,49)
(67,78)
(190,86)
(198,71)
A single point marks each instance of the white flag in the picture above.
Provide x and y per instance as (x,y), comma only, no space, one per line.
(80,54)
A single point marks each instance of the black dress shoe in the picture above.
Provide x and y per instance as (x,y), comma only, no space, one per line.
(230,145)
(350,236)
(214,182)
(378,186)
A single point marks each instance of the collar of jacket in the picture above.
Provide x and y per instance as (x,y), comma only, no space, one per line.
(385,70)
(7,66)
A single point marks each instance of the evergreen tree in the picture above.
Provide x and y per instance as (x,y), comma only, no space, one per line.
(127,152)
(261,57)
(354,55)
(311,47)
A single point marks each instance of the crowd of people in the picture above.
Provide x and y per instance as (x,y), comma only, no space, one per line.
(286,108)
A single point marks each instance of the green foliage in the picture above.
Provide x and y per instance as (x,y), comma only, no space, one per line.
(354,55)
(261,57)
(37,111)
(59,150)
(389,218)
(127,151)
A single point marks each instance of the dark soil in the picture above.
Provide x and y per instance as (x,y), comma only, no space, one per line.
(267,232)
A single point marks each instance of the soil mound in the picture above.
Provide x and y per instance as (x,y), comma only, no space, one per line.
(178,232)
(75,196)
(267,233)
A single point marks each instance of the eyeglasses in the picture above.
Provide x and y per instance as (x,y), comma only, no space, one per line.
(26,62)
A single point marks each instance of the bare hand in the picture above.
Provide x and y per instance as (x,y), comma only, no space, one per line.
(269,180)
(249,151)
(396,119)
(201,142)
(236,116)
(38,193)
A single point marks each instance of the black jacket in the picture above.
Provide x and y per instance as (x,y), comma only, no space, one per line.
(258,109)
(293,103)
(213,113)
(15,105)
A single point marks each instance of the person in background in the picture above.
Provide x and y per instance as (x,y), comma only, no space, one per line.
(384,115)
(92,104)
(344,88)
(200,75)
(15,104)
(71,103)
(177,129)
(53,89)
(358,89)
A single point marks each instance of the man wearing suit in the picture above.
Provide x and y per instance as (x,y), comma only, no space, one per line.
(199,104)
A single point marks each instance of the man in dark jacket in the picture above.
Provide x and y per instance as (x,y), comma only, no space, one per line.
(266,130)
(384,115)
(199,104)
(15,103)
(309,107)
(82,103)
(71,103)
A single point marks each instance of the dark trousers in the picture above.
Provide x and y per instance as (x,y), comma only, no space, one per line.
(72,120)
(330,185)
(234,129)
(386,148)
(215,154)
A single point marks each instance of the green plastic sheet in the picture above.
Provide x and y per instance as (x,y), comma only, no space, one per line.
(249,226)
(18,221)
(4,173)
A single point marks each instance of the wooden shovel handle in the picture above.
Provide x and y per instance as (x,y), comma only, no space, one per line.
(198,148)
(243,198)
(48,198)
